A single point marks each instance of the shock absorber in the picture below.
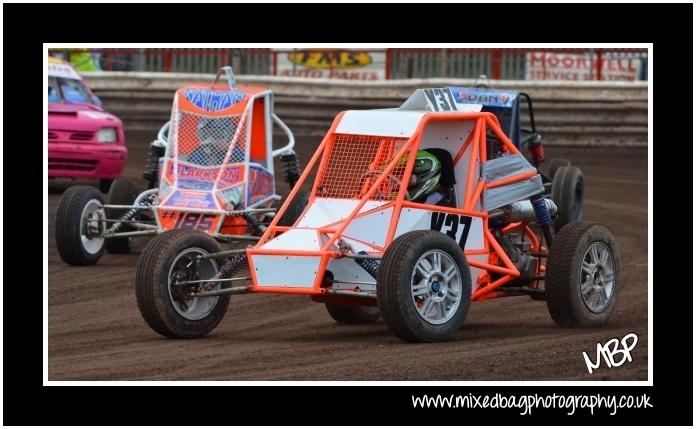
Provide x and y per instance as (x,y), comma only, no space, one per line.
(232,266)
(251,220)
(543,217)
(369,265)
(154,153)
(145,202)
(254,223)
(536,151)
(291,168)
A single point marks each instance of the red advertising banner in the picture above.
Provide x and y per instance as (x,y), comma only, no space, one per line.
(585,66)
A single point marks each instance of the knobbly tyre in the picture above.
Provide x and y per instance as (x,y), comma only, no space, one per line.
(370,242)
(210,169)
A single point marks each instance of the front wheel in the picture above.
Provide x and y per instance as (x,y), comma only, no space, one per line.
(79,226)
(583,271)
(424,287)
(165,304)
(105,185)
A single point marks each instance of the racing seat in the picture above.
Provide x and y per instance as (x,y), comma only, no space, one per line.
(447,180)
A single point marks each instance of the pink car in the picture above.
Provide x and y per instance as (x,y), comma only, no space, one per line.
(84,141)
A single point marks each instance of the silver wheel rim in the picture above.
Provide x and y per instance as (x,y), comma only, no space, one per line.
(436,287)
(192,308)
(90,232)
(597,277)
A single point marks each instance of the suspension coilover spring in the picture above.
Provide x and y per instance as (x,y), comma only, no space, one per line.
(541,210)
(254,222)
(145,202)
(151,173)
(536,151)
(543,217)
(232,266)
(369,265)
(291,168)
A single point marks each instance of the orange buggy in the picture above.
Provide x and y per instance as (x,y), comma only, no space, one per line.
(364,249)
(211,168)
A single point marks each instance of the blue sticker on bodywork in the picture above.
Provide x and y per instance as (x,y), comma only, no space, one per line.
(213,100)
(483,96)
(183,198)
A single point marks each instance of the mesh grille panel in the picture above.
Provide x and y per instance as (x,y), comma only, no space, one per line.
(205,141)
(206,147)
(355,163)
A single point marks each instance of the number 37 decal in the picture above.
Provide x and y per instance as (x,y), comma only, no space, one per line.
(455,226)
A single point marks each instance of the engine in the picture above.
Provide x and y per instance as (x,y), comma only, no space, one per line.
(520,211)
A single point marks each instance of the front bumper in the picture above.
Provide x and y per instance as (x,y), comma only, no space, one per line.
(97,161)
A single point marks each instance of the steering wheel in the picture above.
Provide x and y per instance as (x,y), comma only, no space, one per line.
(390,184)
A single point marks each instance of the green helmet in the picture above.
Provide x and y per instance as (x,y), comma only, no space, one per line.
(425,175)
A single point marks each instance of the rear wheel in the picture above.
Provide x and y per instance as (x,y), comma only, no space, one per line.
(105,185)
(568,192)
(122,192)
(424,287)
(583,271)
(79,226)
(353,314)
(166,261)
(555,164)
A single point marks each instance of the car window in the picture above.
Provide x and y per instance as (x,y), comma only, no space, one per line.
(74,91)
(53,95)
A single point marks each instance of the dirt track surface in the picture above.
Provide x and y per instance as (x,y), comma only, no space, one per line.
(95,331)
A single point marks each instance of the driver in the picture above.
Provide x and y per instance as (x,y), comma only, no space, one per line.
(424,185)
(215,136)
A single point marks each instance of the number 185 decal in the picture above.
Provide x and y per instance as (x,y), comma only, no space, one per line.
(176,219)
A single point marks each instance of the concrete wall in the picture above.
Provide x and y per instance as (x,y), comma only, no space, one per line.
(568,113)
